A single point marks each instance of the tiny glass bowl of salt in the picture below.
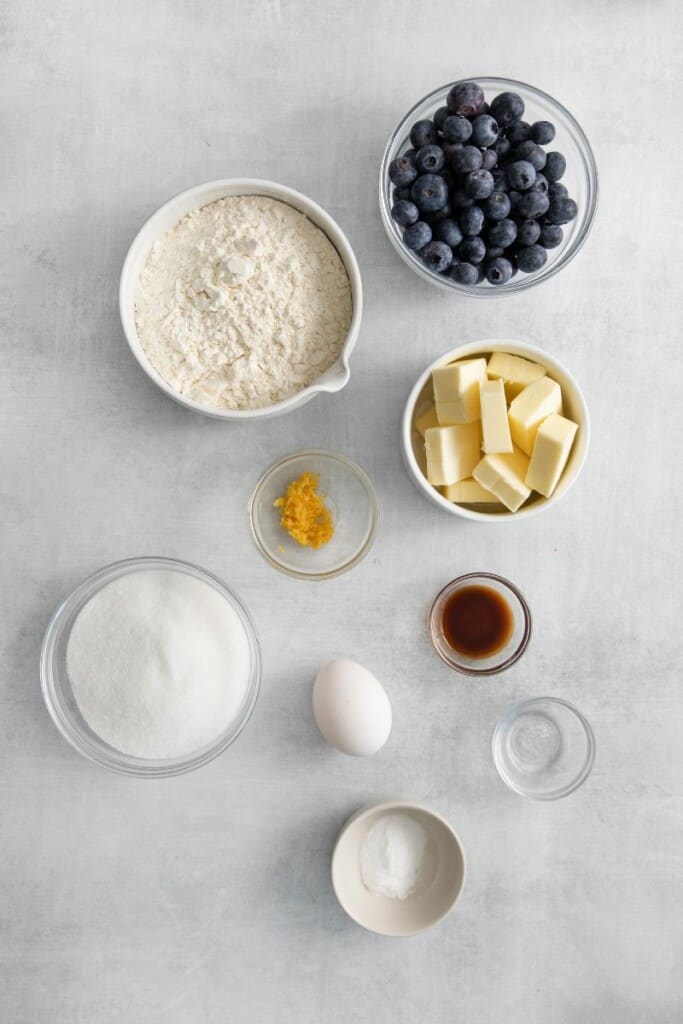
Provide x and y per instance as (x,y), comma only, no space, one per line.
(242,298)
(151,667)
(397,868)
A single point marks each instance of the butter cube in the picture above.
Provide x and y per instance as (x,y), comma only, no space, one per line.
(554,440)
(452,452)
(469,492)
(514,371)
(456,391)
(539,400)
(494,418)
(425,420)
(504,476)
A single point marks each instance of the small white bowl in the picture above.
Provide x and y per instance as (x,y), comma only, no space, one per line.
(170,214)
(412,445)
(443,875)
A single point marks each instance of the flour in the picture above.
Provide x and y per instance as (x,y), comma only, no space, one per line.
(243,303)
(391,856)
(159,664)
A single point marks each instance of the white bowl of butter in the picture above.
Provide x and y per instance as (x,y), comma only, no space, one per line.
(495,487)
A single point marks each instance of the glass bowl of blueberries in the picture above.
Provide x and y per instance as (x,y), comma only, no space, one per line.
(488,185)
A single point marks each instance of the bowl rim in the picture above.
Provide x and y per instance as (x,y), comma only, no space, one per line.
(357,472)
(235,187)
(512,710)
(519,650)
(526,280)
(386,807)
(118,761)
(469,350)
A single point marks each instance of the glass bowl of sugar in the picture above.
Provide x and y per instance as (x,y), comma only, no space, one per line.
(151,667)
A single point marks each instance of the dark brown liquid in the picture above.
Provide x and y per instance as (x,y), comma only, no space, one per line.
(476,621)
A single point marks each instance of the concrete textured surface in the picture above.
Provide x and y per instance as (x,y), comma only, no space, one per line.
(207,898)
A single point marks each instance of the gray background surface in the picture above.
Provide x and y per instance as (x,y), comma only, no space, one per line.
(207,898)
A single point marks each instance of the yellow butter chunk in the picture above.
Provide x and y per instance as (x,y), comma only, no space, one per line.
(534,404)
(514,371)
(554,440)
(469,492)
(456,391)
(504,476)
(494,418)
(426,420)
(452,452)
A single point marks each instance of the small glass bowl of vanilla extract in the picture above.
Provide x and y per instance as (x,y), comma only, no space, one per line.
(480,624)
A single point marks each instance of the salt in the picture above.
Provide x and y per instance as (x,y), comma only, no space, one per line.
(391,856)
(159,663)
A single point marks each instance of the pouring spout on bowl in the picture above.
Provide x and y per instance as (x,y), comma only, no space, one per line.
(333,379)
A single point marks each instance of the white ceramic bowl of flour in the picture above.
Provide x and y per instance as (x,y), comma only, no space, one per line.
(168,216)
(151,667)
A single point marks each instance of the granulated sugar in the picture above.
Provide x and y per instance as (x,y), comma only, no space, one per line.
(391,856)
(159,663)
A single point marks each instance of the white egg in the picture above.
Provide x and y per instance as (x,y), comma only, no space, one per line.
(351,708)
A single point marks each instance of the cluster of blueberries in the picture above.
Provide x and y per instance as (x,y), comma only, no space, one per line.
(478,196)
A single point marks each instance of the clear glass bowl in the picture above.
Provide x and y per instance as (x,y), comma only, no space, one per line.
(348,494)
(59,697)
(543,748)
(581,178)
(516,644)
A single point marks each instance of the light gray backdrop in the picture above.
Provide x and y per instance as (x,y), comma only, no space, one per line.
(207,898)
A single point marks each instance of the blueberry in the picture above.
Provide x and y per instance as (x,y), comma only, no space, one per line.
(556,190)
(493,252)
(448,231)
(404,212)
(484,130)
(521,175)
(534,154)
(472,220)
(541,182)
(533,204)
(542,132)
(402,170)
(484,108)
(503,233)
(555,166)
(460,200)
(479,184)
(464,273)
(500,179)
(472,250)
(499,271)
(437,256)
(429,192)
(528,232)
(450,149)
(467,159)
(439,117)
(501,146)
(562,210)
(434,216)
(532,258)
(551,236)
(515,199)
(456,129)
(466,99)
(448,176)
(417,235)
(430,159)
(497,206)
(402,192)
(422,134)
(489,159)
(518,132)
(507,108)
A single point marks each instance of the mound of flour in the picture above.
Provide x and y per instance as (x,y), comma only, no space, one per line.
(243,303)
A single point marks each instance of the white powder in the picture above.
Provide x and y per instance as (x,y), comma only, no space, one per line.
(391,856)
(159,663)
(243,303)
